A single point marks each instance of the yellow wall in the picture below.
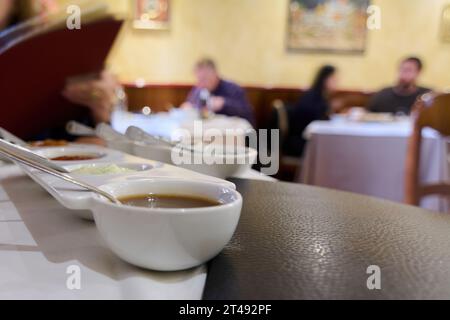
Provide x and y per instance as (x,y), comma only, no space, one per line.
(247,38)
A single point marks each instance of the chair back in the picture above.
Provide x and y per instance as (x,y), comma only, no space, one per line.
(282,118)
(437,117)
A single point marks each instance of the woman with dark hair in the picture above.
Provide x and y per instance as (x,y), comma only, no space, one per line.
(313,105)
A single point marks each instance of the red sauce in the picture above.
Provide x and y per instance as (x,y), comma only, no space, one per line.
(75,158)
(50,143)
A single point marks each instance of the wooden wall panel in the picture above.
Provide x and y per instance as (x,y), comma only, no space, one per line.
(162,97)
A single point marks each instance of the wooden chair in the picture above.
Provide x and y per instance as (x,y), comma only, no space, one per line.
(282,119)
(436,116)
(290,167)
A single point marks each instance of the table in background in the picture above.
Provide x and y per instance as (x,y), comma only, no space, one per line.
(175,123)
(369,158)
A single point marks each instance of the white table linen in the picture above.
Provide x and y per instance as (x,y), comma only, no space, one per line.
(39,240)
(369,158)
(171,124)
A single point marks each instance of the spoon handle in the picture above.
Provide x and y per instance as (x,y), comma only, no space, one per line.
(38,166)
(78,129)
(105,131)
(6,135)
(28,154)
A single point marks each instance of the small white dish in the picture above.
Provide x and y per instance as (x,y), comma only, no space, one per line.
(226,165)
(100,154)
(220,166)
(98,179)
(167,239)
(128,167)
(78,200)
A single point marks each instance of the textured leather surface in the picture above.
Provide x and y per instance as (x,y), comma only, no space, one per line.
(301,242)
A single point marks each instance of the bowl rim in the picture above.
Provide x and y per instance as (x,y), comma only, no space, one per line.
(99,200)
(85,150)
(124,164)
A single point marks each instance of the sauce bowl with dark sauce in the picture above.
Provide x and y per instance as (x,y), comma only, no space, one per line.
(167,224)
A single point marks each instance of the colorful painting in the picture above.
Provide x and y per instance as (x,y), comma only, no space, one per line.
(151,14)
(338,26)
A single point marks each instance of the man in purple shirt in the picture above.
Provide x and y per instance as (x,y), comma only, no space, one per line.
(218,95)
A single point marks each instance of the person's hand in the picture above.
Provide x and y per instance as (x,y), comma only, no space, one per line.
(98,95)
(186,106)
(216,103)
(48,6)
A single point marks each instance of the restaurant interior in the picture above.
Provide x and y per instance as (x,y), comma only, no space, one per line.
(224,150)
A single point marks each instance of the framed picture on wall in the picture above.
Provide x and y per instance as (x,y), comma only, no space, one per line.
(151,14)
(334,26)
(446,24)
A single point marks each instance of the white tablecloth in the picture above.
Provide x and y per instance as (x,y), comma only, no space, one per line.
(369,158)
(40,240)
(166,124)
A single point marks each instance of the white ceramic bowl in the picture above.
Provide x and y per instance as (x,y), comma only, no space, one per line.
(100,154)
(230,166)
(99,179)
(167,239)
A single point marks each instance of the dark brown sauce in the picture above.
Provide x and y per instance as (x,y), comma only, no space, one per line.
(157,201)
(75,158)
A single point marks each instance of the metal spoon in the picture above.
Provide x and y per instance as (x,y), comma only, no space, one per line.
(137,134)
(27,153)
(105,131)
(102,130)
(78,129)
(42,167)
(8,136)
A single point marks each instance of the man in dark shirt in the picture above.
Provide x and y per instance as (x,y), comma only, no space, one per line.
(401,98)
(218,95)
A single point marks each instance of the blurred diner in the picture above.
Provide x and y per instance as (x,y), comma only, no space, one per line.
(401,97)
(313,105)
(215,94)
